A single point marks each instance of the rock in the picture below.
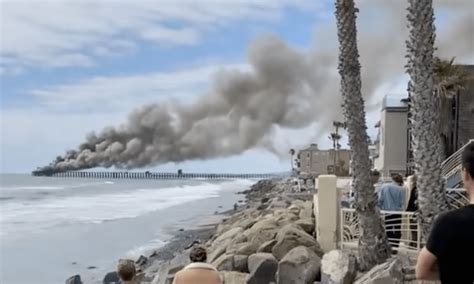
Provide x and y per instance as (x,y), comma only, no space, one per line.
(233,277)
(267,246)
(217,250)
(306,213)
(153,268)
(277,203)
(293,209)
(308,225)
(246,248)
(264,230)
(236,241)
(262,268)
(241,263)
(390,272)
(300,265)
(246,223)
(76,279)
(224,263)
(111,278)
(299,204)
(142,260)
(292,236)
(338,267)
(181,230)
(230,234)
(92,267)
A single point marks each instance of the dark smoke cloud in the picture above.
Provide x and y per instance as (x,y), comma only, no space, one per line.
(283,87)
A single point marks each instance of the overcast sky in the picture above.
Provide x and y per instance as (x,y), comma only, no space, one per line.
(71,67)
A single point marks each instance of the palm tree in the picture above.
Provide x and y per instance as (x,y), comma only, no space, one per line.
(424,112)
(373,244)
(448,79)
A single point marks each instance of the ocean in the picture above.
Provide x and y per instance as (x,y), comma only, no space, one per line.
(52,228)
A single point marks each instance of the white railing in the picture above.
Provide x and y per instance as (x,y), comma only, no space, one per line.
(452,165)
(402,227)
(407,226)
(457,197)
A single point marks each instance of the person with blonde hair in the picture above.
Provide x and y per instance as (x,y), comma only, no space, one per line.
(412,206)
(198,272)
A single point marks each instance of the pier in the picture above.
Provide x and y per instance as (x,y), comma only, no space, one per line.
(162,176)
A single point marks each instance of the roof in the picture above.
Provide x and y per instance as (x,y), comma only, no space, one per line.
(395,103)
(311,147)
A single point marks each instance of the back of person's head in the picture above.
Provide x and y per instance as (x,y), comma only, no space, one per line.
(397,178)
(126,269)
(375,176)
(468,165)
(198,254)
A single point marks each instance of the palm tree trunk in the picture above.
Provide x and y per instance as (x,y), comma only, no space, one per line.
(425,113)
(373,244)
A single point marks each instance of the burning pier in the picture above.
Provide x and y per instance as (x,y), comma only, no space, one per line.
(153,175)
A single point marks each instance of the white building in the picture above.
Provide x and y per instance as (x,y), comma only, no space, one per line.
(392,140)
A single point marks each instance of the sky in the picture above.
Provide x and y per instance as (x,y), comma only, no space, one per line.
(71,67)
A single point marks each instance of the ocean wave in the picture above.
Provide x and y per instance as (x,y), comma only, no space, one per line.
(101,207)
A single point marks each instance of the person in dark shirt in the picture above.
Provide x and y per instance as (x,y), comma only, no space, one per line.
(449,252)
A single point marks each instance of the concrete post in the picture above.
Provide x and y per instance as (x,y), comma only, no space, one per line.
(327,206)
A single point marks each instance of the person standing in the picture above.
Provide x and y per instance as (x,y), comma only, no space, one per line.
(449,250)
(412,206)
(391,197)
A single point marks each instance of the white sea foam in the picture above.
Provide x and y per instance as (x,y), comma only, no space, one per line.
(99,207)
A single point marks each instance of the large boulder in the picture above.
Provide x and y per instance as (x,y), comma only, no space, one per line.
(246,248)
(230,234)
(389,272)
(233,277)
(292,236)
(224,263)
(307,225)
(241,263)
(262,268)
(76,279)
(246,223)
(300,266)
(267,246)
(306,213)
(217,250)
(263,231)
(111,278)
(338,267)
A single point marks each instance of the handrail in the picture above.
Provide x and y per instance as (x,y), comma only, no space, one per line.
(453,161)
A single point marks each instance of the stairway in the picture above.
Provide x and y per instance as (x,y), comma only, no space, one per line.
(451,168)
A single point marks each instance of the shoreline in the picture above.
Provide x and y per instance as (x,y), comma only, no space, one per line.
(179,234)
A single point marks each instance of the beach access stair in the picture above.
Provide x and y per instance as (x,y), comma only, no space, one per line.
(451,168)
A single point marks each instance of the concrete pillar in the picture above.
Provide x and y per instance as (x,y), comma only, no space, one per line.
(327,207)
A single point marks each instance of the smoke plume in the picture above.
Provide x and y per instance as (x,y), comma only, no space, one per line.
(283,87)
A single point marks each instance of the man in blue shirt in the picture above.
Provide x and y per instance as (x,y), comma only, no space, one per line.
(391,197)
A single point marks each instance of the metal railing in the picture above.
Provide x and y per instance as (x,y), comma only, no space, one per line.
(402,229)
(452,165)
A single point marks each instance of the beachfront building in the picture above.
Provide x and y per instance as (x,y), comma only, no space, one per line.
(392,140)
(315,161)
(460,120)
